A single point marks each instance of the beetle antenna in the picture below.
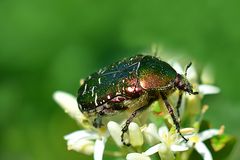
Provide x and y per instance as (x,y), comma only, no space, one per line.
(188,66)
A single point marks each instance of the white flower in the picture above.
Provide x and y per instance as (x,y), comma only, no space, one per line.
(69,104)
(196,141)
(169,143)
(85,141)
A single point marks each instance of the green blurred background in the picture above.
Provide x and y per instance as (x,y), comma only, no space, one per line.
(48,45)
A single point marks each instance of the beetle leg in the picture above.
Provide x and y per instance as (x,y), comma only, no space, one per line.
(179,105)
(97,122)
(171,112)
(129,120)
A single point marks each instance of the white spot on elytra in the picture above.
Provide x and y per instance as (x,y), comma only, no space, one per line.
(138,66)
(95,100)
(103,70)
(85,88)
(108,97)
(93,90)
(99,80)
(100,70)
(80,106)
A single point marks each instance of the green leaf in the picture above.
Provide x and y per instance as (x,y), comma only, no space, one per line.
(219,142)
(221,146)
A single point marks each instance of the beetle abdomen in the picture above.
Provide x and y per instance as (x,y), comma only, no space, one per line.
(118,79)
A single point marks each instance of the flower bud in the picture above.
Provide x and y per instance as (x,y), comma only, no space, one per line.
(135,135)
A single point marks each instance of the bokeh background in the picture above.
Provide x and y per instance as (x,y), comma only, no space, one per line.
(48,45)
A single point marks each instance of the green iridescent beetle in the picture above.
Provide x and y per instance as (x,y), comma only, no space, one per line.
(135,82)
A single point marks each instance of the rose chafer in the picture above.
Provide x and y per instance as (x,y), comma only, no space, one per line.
(131,84)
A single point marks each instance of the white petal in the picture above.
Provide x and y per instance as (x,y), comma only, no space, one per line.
(192,74)
(178,68)
(163,149)
(206,89)
(207,134)
(115,131)
(99,149)
(203,151)
(135,135)
(78,135)
(137,156)
(151,134)
(69,104)
(178,148)
(82,146)
(163,132)
(153,149)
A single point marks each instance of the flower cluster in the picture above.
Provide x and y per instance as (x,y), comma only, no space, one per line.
(146,139)
(88,140)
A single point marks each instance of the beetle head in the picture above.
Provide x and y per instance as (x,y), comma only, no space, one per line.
(183,84)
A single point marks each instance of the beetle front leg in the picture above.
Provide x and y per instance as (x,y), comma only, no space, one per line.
(179,104)
(171,112)
(129,120)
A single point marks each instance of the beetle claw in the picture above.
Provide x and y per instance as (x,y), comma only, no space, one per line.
(122,140)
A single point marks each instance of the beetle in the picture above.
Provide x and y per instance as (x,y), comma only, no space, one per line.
(132,84)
